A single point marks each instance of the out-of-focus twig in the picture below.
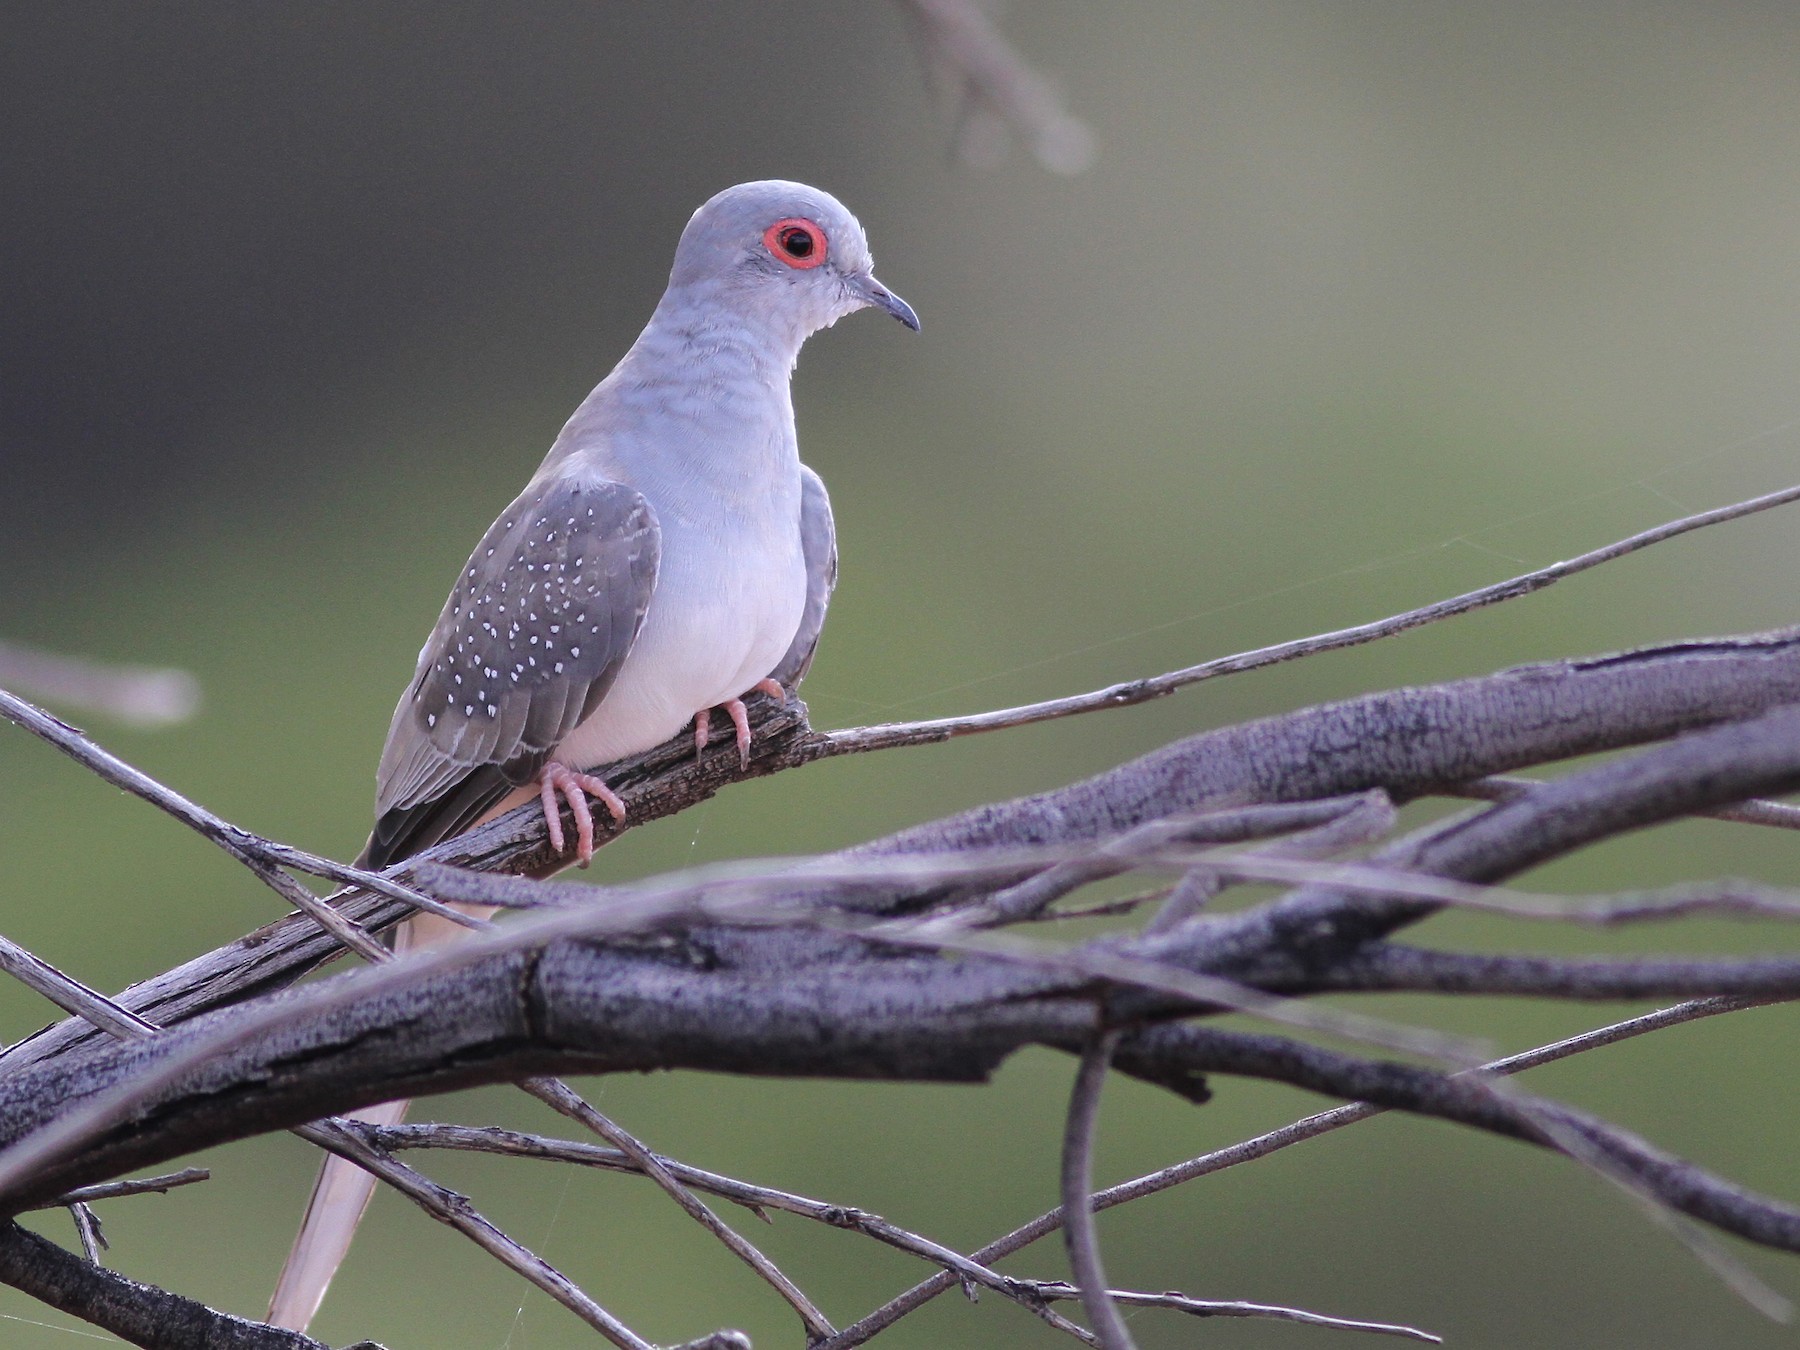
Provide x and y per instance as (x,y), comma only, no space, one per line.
(998,89)
(139,696)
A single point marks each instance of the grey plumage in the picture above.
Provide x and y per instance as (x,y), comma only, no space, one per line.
(818,543)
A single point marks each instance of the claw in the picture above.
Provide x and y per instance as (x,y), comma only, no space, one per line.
(555,778)
(734,708)
(740,719)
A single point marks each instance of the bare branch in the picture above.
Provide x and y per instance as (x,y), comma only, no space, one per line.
(68,993)
(1079,1232)
(1206,1307)
(1126,852)
(87,1228)
(261,856)
(455,1211)
(563,1099)
(1143,690)
(1503,788)
(113,1190)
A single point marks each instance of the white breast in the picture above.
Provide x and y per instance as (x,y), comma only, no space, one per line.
(729,595)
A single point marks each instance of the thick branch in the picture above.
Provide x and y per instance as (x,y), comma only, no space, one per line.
(139,1313)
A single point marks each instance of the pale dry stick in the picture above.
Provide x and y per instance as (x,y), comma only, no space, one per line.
(116,771)
(1727,896)
(1080,1234)
(70,994)
(141,696)
(561,1098)
(114,1190)
(454,1210)
(1210,1307)
(1249,1150)
(1371,817)
(261,856)
(351,937)
(858,739)
(1759,811)
(1102,909)
(1124,852)
(1128,971)
(87,1228)
(1058,868)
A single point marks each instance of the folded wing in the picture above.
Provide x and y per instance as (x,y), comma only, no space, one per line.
(529,642)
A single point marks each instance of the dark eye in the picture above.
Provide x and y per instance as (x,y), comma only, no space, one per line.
(797,242)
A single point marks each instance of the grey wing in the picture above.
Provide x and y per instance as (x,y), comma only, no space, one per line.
(818,542)
(529,642)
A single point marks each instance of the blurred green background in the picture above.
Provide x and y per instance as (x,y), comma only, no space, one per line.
(1361,305)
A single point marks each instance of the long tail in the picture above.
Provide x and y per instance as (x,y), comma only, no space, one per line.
(339,1196)
(342,1191)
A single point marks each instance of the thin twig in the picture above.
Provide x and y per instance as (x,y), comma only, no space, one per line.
(859,739)
(1207,1307)
(452,1209)
(262,856)
(1507,788)
(757,1199)
(1725,896)
(1099,964)
(1370,815)
(1077,1177)
(1124,852)
(113,1190)
(87,1228)
(70,994)
(561,1098)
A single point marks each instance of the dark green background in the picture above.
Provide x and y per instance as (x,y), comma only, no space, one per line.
(1363,304)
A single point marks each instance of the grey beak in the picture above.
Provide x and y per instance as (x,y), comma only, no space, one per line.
(882,298)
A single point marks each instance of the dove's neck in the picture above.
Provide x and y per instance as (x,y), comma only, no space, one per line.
(699,405)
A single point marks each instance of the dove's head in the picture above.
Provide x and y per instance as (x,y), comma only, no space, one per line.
(782,253)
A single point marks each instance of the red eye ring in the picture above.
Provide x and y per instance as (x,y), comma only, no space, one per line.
(796,241)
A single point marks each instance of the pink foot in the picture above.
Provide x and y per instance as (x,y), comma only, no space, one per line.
(734,709)
(740,719)
(556,778)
